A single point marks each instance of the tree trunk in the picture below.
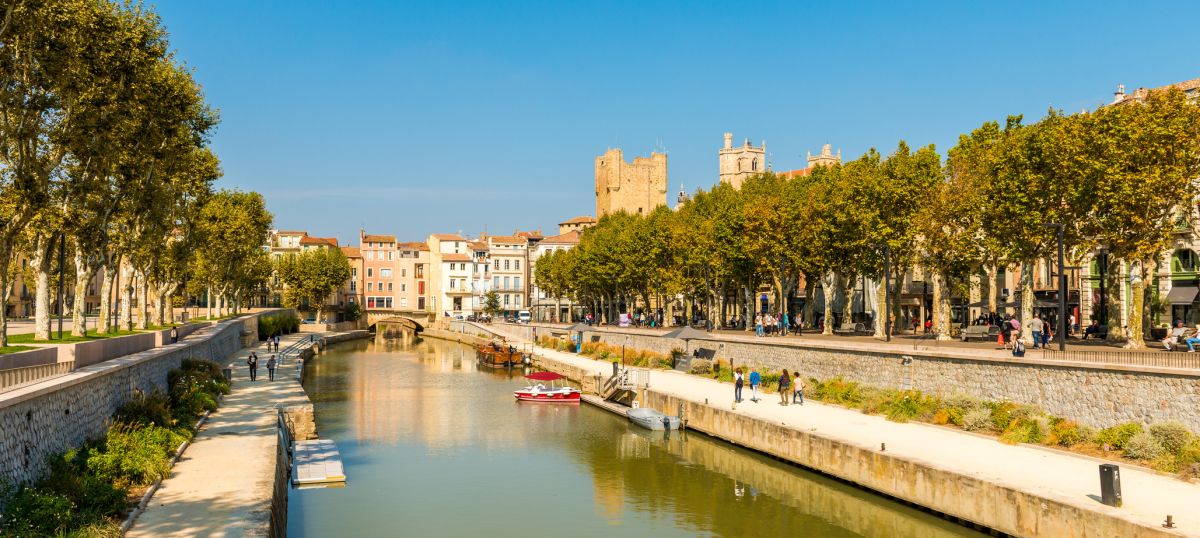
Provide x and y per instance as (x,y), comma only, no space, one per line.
(1138,279)
(161,305)
(143,299)
(829,287)
(881,313)
(941,302)
(83,274)
(992,271)
(810,296)
(848,307)
(1026,301)
(104,322)
(6,287)
(208,303)
(127,291)
(1115,299)
(39,261)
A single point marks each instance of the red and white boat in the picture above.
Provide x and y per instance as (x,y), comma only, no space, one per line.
(539,392)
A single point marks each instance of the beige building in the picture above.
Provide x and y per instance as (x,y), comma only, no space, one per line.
(825,158)
(636,188)
(738,163)
(509,267)
(449,278)
(542,305)
(577,224)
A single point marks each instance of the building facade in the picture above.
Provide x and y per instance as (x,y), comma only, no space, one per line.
(738,163)
(543,306)
(509,269)
(636,188)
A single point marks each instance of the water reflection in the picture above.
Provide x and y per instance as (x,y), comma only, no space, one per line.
(429,436)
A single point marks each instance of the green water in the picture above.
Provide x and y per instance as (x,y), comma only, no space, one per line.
(435,446)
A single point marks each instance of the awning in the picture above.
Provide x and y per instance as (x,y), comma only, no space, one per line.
(544,376)
(1182,294)
(686,333)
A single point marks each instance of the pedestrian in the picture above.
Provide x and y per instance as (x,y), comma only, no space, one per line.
(738,381)
(174,335)
(1037,326)
(785,382)
(271,368)
(1071,325)
(252,362)
(277,343)
(783,325)
(755,379)
(797,389)
(758,325)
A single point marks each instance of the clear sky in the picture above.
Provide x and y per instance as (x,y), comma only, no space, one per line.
(422,117)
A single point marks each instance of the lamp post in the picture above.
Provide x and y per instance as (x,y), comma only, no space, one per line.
(1102,266)
(1062,289)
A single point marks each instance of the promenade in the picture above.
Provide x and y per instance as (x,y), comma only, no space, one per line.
(222,485)
(1059,476)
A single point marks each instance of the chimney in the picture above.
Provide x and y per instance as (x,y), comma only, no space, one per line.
(728,140)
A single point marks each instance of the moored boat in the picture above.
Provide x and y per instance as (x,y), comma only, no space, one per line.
(654,420)
(539,392)
(499,356)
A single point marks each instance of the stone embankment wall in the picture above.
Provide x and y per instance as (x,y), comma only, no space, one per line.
(1095,394)
(47,418)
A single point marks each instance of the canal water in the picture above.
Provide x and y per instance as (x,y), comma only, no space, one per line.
(436,446)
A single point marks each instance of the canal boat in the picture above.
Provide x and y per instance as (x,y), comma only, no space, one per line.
(654,420)
(539,392)
(499,356)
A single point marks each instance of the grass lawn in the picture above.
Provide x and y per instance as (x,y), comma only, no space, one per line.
(13,349)
(162,327)
(66,339)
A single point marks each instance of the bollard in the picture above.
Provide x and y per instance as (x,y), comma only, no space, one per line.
(1169,523)
(883,447)
(1110,485)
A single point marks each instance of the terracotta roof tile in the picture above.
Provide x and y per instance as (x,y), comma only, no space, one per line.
(448,237)
(379,238)
(310,240)
(351,252)
(507,239)
(455,258)
(284,232)
(569,238)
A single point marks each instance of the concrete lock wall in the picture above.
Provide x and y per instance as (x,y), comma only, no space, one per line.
(1094,394)
(47,418)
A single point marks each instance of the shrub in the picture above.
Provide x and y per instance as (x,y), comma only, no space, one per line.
(35,512)
(1065,433)
(1024,430)
(1002,415)
(837,390)
(977,419)
(153,409)
(1172,435)
(942,416)
(134,456)
(1115,437)
(92,497)
(1142,446)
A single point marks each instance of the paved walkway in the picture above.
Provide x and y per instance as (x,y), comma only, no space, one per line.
(1070,478)
(222,485)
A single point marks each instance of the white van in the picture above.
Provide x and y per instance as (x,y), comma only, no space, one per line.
(524,317)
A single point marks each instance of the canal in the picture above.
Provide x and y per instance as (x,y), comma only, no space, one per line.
(436,446)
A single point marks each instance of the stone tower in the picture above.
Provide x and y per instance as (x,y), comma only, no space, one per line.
(737,164)
(637,188)
(826,158)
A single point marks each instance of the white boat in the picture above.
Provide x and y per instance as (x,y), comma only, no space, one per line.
(649,418)
(552,394)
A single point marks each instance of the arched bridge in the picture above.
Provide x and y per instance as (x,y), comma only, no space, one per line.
(402,320)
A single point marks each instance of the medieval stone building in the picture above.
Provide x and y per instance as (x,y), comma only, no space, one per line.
(636,188)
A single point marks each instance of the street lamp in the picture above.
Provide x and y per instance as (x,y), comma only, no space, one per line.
(1062,289)
(1102,267)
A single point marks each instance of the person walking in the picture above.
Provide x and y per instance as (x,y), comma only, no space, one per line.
(174,335)
(738,382)
(252,363)
(797,389)
(271,368)
(758,326)
(277,343)
(783,324)
(1037,326)
(755,379)
(785,383)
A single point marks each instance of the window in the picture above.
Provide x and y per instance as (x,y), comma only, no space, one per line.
(516,282)
(370,254)
(370,272)
(453,284)
(517,264)
(385,273)
(353,272)
(353,285)
(420,303)
(506,297)
(518,301)
(754,165)
(404,302)
(370,302)
(421,288)
(506,281)
(403,272)
(370,286)
(495,282)
(391,255)
(402,286)
(506,264)
(421,270)
(389,286)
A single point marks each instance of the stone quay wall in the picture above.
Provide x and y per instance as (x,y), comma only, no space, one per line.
(47,418)
(1095,394)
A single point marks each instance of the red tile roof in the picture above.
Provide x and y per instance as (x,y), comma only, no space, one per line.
(413,245)
(282,232)
(310,240)
(795,173)
(585,219)
(455,258)
(351,252)
(507,239)
(448,237)
(379,238)
(569,238)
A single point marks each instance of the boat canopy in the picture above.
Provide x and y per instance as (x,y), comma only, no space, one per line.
(544,376)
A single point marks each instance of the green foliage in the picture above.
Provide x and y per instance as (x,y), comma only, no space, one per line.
(836,390)
(1116,437)
(978,419)
(1142,446)
(311,276)
(1066,433)
(352,312)
(1174,436)
(903,406)
(37,512)
(134,456)
(194,388)
(153,409)
(491,304)
(1024,429)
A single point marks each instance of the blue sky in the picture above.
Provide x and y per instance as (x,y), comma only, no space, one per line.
(414,118)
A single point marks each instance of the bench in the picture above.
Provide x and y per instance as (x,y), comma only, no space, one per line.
(858,330)
(1101,333)
(981,332)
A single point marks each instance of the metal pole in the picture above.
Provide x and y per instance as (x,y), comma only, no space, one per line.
(1062,295)
(62,255)
(1103,266)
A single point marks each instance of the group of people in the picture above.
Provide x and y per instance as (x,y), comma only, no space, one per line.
(252,363)
(766,324)
(789,386)
(1181,334)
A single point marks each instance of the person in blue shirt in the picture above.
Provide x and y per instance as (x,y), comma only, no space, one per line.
(755,379)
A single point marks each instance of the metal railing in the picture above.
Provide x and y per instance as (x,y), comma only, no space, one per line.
(14,378)
(1160,359)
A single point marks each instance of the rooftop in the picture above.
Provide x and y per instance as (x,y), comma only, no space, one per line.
(288,232)
(351,252)
(448,237)
(310,240)
(583,219)
(456,258)
(507,239)
(378,238)
(413,245)
(569,238)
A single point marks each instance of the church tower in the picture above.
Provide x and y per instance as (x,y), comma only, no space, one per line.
(739,163)
(636,188)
